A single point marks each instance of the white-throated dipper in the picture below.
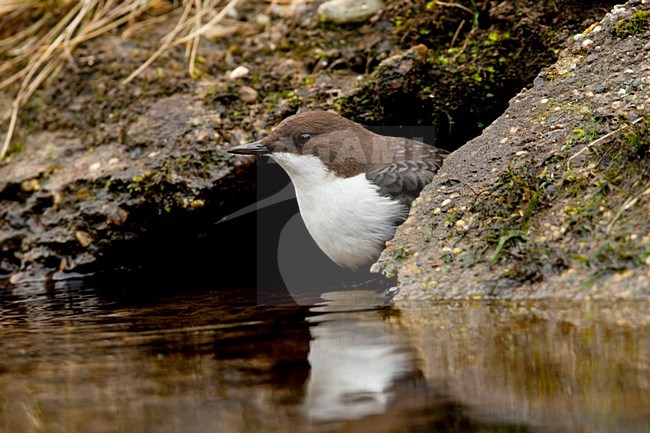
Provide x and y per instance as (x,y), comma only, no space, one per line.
(353,187)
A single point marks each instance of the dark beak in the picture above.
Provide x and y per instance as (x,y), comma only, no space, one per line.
(256,148)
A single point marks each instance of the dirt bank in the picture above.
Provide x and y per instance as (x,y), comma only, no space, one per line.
(552,200)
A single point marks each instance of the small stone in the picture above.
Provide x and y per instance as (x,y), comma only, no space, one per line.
(591,58)
(445,203)
(247,94)
(578,37)
(95,166)
(538,82)
(544,100)
(349,11)
(14,219)
(196,204)
(263,20)
(113,161)
(621,92)
(587,43)
(457,250)
(118,216)
(635,84)
(233,14)
(238,72)
(219,31)
(202,135)
(30,185)
(83,238)
(601,88)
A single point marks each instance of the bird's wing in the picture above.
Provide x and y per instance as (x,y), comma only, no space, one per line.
(403,180)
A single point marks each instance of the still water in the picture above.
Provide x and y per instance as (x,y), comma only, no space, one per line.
(77,359)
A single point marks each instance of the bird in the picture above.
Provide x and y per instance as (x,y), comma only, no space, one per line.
(353,187)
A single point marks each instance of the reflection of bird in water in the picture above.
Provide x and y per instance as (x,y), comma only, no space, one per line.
(354,361)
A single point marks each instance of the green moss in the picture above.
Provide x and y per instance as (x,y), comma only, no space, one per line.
(636,24)
(401,254)
(15,147)
(610,210)
(517,196)
(272,99)
(604,227)
(508,236)
(447,257)
(338,104)
(583,135)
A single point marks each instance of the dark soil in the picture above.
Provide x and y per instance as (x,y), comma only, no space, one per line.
(104,176)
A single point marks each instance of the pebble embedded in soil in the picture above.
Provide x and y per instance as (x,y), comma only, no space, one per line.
(30,185)
(247,94)
(238,72)
(349,11)
(83,238)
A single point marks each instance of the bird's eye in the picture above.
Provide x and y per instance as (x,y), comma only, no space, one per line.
(303,138)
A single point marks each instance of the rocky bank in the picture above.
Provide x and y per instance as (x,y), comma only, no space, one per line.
(105,176)
(553,198)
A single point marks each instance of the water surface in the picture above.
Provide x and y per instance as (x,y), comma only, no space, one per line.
(77,359)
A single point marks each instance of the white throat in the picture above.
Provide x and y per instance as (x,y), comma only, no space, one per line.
(347,217)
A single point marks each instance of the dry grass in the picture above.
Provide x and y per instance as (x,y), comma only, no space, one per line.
(39,36)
